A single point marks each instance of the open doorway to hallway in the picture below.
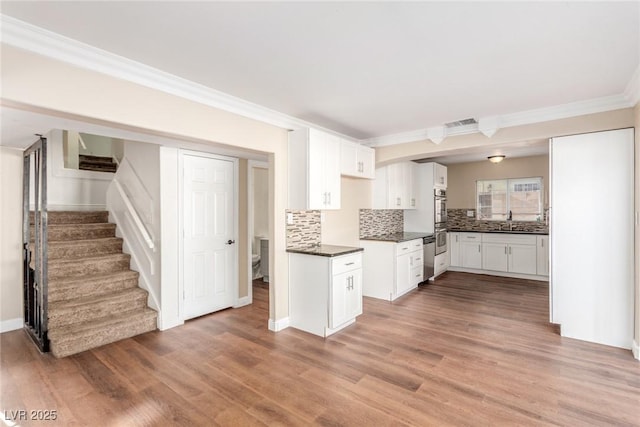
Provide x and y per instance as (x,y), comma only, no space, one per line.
(258,227)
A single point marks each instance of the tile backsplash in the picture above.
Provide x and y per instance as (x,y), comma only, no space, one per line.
(305,231)
(457,220)
(374,222)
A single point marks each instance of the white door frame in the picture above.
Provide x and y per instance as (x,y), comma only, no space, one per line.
(234,273)
(252,164)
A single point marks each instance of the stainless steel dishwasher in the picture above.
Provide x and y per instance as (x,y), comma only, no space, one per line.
(429,251)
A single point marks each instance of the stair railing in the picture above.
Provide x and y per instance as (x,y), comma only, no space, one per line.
(34,206)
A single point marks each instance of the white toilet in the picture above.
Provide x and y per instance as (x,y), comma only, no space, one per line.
(255,263)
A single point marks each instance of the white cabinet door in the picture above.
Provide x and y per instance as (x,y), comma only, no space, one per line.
(403,273)
(522,259)
(494,256)
(357,160)
(454,249)
(471,254)
(440,176)
(367,161)
(398,191)
(314,170)
(346,297)
(316,173)
(349,158)
(542,255)
(332,172)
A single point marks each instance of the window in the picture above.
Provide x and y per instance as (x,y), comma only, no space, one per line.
(522,196)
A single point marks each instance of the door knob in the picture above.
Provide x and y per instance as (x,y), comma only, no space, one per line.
(230,242)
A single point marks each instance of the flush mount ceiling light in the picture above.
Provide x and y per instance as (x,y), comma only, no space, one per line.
(496,159)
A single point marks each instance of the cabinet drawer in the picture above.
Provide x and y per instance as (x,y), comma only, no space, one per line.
(521,239)
(440,262)
(417,275)
(409,246)
(470,237)
(346,263)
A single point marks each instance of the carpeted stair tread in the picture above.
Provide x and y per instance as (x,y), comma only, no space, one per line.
(61,249)
(74,217)
(102,264)
(105,330)
(93,285)
(57,232)
(84,309)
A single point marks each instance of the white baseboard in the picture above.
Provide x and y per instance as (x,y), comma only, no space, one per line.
(635,348)
(11,324)
(500,273)
(278,325)
(243,301)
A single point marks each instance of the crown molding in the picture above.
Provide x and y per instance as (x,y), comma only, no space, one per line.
(632,91)
(29,37)
(490,125)
(53,45)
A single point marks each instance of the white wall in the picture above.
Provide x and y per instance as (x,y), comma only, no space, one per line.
(10,239)
(260,206)
(90,96)
(342,227)
(72,189)
(593,261)
(139,178)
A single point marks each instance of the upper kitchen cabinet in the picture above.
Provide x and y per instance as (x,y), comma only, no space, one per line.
(314,170)
(434,175)
(394,186)
(357,160)
(439,176)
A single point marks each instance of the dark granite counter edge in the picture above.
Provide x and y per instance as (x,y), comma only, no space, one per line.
(396,240)
(317,252)
(542,233)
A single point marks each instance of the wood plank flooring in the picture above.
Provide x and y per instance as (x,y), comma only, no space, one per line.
(468,350)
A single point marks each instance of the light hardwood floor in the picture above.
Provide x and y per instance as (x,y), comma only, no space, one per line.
(467,350)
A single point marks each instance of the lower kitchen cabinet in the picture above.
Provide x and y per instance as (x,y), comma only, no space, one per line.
(391,269)
(471,250)
(509,253)
(453,244)
(513,253)
(325,292)
(542,256)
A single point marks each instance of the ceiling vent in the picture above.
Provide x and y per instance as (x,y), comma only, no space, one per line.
(463,122)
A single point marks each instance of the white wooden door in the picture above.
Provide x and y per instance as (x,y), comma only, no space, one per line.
(209,236)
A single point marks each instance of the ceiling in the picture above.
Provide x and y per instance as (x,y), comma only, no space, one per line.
(369,69)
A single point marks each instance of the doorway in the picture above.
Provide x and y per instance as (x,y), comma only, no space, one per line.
(208,215)
(258,224)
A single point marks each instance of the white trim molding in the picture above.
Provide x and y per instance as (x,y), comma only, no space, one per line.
(279,325)
(632,91)
(53,45)
(490,125)
(11,324)
(242,301)
(635,348)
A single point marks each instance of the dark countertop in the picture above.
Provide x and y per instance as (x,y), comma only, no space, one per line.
(326,250)
(398,237)
(460,230)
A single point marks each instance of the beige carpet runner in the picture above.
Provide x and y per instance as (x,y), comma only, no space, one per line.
(94,298)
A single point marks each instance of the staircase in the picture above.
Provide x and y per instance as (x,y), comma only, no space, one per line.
(94,298)
(96,163)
